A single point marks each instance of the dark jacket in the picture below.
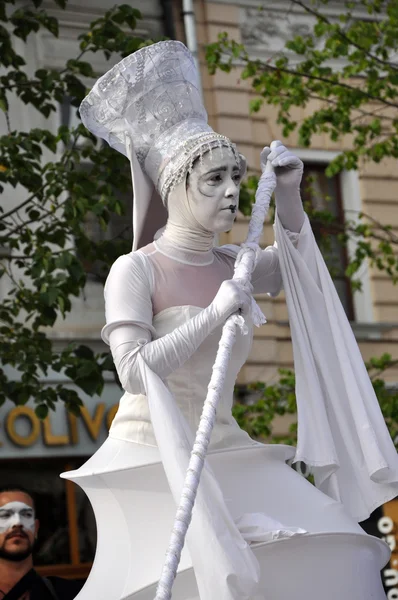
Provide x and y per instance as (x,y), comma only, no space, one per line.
(44,588)
(55,588)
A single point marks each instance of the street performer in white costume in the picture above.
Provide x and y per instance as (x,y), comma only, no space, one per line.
(166,303)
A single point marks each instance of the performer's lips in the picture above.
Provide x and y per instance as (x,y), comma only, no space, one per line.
(232,207)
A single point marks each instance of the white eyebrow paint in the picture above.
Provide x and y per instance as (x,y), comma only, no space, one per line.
(16,513)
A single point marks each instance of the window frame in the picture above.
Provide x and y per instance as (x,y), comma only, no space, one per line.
(348,304)
(351,206)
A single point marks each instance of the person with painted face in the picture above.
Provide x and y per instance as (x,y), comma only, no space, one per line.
(19,529)
(166,303)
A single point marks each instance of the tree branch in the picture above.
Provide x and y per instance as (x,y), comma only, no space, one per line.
(347,226)
(391,234)
(7,118)
(362,112)
(29,222)
(62,161)
(372,114)
(393,363)
(324,80)
(24,257)
(344,36)
(24,203)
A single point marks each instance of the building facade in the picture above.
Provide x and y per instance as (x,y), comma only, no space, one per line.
(34,453)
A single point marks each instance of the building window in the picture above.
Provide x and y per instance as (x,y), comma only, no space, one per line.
(323,194)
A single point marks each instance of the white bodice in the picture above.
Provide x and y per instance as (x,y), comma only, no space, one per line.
(189,387)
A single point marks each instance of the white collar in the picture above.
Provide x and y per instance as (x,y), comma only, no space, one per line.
(184,255)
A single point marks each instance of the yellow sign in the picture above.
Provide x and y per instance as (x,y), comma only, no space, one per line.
(37,429)
(26,413)
(387,526)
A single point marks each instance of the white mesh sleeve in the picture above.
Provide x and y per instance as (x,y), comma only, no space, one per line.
(129,327)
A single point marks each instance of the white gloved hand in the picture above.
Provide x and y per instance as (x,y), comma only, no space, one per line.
(232,296)
(288,167)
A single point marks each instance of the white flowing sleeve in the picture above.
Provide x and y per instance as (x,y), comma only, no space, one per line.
(342,434)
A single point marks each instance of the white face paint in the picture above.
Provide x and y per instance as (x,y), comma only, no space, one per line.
(16,513)
(213,190)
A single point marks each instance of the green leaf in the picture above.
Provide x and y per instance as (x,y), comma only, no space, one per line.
(74,409)
(51,24)
(61,304)
(33,214)
(41,411)
(84,352)
(3,103)
(86,369)
(90,385)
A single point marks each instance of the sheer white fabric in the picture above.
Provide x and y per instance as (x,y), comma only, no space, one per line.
(341,430)
(177,283)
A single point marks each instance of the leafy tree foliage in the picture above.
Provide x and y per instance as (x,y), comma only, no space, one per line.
(43,239)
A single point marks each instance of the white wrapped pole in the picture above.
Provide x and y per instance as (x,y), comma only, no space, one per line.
(244,266)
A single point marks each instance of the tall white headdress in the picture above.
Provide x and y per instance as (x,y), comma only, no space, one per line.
(148,107)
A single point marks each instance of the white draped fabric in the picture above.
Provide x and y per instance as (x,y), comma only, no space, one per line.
(341,430)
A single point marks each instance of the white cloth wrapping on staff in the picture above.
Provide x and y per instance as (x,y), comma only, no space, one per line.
(342,434)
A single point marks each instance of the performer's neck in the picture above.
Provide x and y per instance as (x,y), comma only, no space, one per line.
(193,246)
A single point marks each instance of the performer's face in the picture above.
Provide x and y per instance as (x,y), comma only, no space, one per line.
(18,526)
(213,190)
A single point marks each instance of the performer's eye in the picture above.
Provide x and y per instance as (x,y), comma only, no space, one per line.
(216,178)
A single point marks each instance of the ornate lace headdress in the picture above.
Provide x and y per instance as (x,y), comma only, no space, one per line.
(148,107)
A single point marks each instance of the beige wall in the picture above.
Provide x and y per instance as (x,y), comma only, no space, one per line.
(379,190)
(227,101)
